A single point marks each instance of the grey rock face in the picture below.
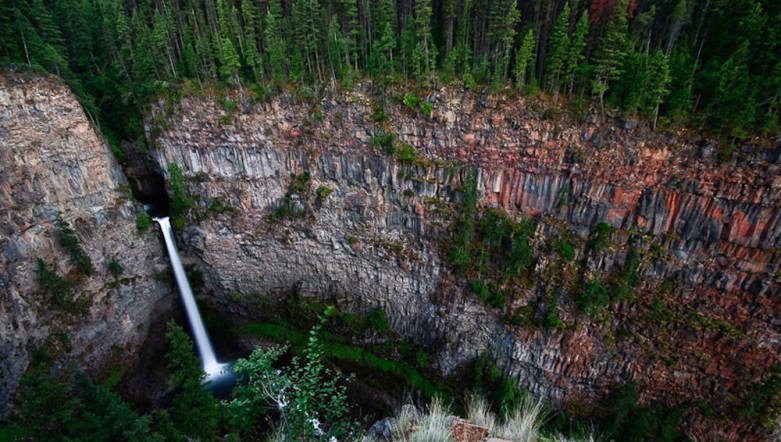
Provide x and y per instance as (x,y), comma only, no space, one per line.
(376,240)
(53,160)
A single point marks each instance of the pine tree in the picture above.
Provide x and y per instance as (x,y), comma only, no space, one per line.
(575,55)
(524,58)
(556,62)
(193,409)
(425,49)
(229,61)
(251,54)
(610,53)
(276,42)
(658,81)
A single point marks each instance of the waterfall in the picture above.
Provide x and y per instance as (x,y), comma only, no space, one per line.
(211,367)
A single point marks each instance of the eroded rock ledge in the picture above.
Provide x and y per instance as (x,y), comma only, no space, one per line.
(708,236)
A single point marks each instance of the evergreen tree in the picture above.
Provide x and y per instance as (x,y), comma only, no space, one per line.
(610,53)
(193,409)
(524,58)
(658,82)
(559,44)
(229,61)
(251,54)
(425,49)
(575,55)
(276,42)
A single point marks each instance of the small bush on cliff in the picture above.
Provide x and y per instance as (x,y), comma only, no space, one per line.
(377,319)
(57,287)
(566,250)
(115,268)
(411,101)
(143,221)
(71,242)
(598,239)
(593,298)
(180,203)
(426,107)
(323,192)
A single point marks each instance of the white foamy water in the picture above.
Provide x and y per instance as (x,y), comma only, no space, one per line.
(211,367)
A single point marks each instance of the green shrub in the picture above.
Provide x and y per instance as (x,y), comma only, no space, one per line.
(411,101)
(180,203)
(469,81)
(566,250)
(54,285)
(426,107)
(143,221)
(352,240)
(409,193)
(551,319)
(384,139)
(593,298)
(229,105)
(71,242)
(115,268)
(407,154)
(377,319)
(323,192)
(598,239)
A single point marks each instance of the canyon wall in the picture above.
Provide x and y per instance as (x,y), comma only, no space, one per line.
(294,199)
(54,160)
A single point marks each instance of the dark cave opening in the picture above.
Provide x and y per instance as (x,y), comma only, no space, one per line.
(148,186)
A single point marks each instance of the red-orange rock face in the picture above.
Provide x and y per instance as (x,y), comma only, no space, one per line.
(704,322)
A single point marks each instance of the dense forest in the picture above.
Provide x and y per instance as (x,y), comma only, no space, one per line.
(711,64)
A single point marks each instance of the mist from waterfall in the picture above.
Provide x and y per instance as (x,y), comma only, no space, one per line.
(211,367)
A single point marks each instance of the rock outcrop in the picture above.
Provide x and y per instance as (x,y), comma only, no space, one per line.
(54,160)
(321,211)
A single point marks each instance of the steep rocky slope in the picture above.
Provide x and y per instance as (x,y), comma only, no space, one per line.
(702,330)
(54,160)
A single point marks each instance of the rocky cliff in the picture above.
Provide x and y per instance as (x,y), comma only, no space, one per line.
(297,197)
(54,160)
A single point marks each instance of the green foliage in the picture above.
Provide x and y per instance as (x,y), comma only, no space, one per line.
(411,101)
(115,268)
(629,277)
(426,107)
(378,320)
(501,391)
(71,243)
(55,286)
(302,392)
(762,402)
(143,221)
(384,139)
(630,421)
(566,249)
(337,351)
(180,204)
(598,238)
(594,297)
(551,318)
(50,410)
(322,192)
(194,410)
